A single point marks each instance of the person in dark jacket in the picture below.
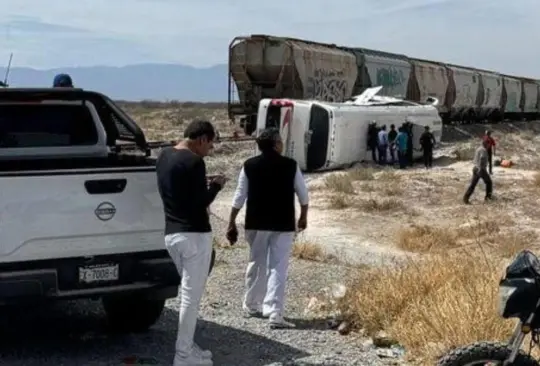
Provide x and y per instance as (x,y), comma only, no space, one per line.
(186,195)
(409,132)
(401,145)
(372,140)
(269,183)
(427,142)
(392,134)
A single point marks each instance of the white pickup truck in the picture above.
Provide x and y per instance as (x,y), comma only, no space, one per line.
(80,213)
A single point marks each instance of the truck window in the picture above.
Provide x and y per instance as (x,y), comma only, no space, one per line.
(46,125)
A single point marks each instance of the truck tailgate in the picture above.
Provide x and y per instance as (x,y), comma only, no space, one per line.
(68,213)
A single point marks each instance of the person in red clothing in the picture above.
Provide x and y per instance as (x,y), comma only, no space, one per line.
(490,147)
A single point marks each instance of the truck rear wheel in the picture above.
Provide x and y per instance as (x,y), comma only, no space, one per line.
(483,353)
(132,313)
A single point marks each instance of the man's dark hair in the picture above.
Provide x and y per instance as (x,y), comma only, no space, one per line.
(200,128)
(268,138)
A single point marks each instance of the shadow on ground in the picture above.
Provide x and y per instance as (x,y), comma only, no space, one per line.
(75,333)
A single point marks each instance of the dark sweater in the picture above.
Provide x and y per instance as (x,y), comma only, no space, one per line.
(182,184)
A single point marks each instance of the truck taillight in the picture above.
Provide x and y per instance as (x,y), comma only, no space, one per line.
(281,102)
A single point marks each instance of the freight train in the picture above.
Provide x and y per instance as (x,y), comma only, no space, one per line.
(264,66)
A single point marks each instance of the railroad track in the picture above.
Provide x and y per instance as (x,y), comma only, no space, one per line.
(152,145)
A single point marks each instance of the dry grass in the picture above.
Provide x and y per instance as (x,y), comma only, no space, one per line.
(362,174)
(310,251)
(393,188)
(491,233)
(425,238)
(374,205)
(389,176)
(444,299)
(339,182)
(465,153)
(536,180)
(430,305)
(166,120)
(339,201)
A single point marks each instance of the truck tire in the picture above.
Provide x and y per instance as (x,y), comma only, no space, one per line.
(481,353)
(132,313)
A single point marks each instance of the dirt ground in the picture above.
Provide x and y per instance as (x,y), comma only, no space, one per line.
(357,214)
(372,215)
(360,220)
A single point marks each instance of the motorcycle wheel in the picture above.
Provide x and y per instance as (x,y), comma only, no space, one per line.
(484,353)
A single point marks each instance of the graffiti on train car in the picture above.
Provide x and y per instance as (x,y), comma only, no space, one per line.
(328,85)
(390,77)
(512,104)
(466,95)
(487,96)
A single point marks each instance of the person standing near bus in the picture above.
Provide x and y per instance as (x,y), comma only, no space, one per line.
(490,147)
(402,144)
(392,135)
(382,144)
(372,140)
(427,142)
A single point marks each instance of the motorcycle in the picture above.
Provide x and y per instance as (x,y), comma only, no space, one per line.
(519,297)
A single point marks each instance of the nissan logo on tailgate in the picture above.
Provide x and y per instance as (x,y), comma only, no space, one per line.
(105,211)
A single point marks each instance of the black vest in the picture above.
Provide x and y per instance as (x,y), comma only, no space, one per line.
(270,199)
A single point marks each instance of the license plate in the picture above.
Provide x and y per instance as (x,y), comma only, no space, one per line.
(99,273)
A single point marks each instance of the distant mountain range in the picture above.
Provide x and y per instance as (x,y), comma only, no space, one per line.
(135,82)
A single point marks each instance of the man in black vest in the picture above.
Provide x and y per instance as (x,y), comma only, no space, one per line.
(269,182)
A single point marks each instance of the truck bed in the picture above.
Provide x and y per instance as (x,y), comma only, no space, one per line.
(69,208)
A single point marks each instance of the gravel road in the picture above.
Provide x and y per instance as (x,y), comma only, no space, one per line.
(73,333)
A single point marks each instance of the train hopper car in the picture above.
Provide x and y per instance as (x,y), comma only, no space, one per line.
(262,66)
(430,79)
(491,90)
(376,68)
(511,97)
(463,93)
(530,98)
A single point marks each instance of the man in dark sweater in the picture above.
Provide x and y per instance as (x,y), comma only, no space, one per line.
(372,140)
(269,182)
(392,135)
(186,195)
(427,142)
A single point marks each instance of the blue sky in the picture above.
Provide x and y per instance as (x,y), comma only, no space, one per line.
(496,34)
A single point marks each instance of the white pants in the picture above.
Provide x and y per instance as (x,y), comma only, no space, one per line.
(266,273)
(191,253)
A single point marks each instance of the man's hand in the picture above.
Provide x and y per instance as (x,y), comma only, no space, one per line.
(219,179)
(302,223)
(232,233)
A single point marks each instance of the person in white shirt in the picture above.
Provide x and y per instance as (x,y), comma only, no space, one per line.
(382,144)
(268,182)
